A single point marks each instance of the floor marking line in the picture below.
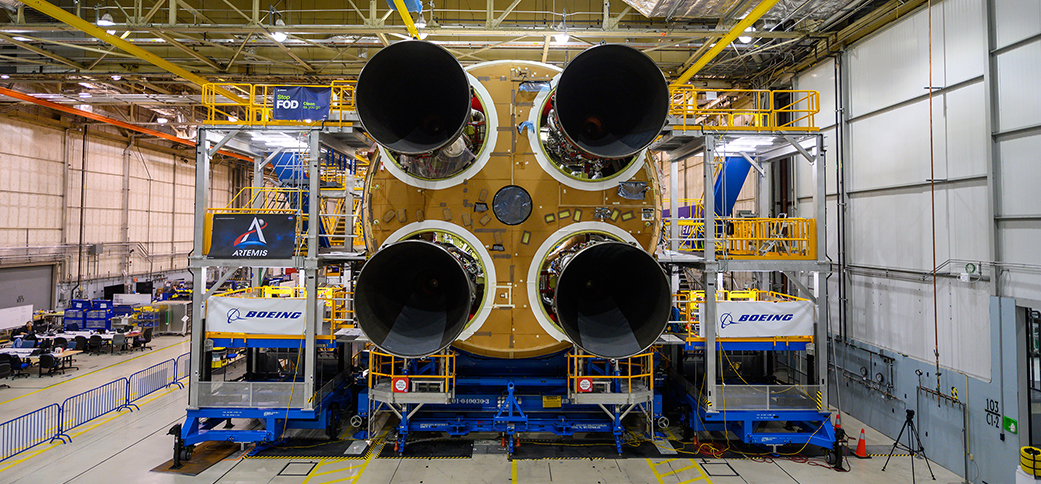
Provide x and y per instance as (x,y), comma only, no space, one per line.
(91,373)
(513,471)
(677,471)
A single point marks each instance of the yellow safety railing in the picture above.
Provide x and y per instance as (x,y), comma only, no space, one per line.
(384,366)
(754,238)
(743,109)
(256,101)
(632,370)
(683,304)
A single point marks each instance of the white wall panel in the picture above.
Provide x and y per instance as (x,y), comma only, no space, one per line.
(1019,177)
(968,221)
(892,147)
(893,65)
(1018,96)
(805,186)
(965,41)
(1016,20)
(966,140)
(821,78)
(894,229)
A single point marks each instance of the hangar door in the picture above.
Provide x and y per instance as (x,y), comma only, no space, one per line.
(20,286)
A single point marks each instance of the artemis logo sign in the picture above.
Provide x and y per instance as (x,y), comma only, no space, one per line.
(244,243)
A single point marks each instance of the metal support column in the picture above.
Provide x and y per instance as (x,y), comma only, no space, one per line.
(674,225)
(311,317)
(820,338)
(197,265)
(708,322)
(256,197)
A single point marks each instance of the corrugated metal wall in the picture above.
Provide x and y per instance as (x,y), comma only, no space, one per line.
(986,62)
(37,190)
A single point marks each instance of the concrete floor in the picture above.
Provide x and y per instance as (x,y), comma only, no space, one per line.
(126,446)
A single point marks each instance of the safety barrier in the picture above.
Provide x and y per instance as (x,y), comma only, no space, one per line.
(91,404)
(181,365)
(51,422)
(23,433)
(151,379)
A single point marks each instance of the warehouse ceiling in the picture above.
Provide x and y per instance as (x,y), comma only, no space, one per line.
(155,53)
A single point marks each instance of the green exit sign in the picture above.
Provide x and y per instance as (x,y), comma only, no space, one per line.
(1011,426)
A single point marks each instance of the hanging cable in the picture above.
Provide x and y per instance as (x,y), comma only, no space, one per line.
(932,193)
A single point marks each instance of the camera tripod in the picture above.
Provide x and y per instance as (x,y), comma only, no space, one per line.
(914,445)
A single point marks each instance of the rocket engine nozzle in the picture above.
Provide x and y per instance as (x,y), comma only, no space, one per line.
(612,299)
(413,298)
(413,97)
(611,101)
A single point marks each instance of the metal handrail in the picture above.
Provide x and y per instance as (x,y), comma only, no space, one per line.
(643,364)
(754,238)
(743,109)
(383,365)
(255,106)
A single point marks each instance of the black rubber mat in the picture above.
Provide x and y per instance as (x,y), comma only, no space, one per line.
(430,449)
(582,449)
(204,456)
(313,448)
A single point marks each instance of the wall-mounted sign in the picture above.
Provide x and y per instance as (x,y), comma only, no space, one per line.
(252,236)
(299,103)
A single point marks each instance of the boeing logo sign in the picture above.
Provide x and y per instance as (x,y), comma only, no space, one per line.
(727,319)
(235,315)
(757,319)
(250,236)
(765,317)
(259,315)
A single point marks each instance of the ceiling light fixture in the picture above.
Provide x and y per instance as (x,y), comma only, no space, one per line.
(4,76)
(279,36)
(161,120)
(744,39)
(116,77)
(276,21)
(561,36)
(107,21)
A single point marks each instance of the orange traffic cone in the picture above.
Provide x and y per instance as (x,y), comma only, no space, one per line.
(838,420)
(862,447)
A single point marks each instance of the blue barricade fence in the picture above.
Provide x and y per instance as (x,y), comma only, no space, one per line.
(181,367)
(23,433)
(51,422)
(150,379)
(89,405)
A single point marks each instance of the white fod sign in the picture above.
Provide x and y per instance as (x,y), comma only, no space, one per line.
(757,319)
(258,315)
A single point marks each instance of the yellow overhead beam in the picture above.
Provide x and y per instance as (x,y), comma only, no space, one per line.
(721,44)
(407,18)
(61,15)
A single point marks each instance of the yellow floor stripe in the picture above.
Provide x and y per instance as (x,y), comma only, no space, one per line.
(513,471)
(91,373)
(694,466)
